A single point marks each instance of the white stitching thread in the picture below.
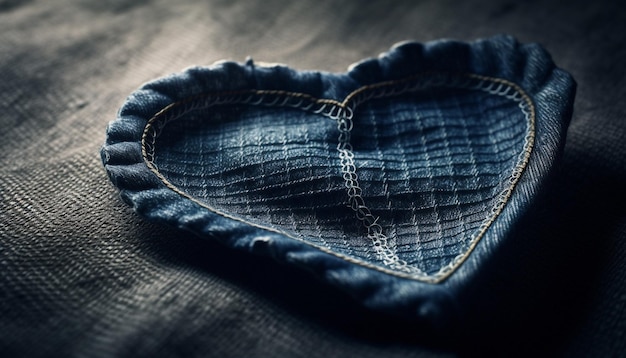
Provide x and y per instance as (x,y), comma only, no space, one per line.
(375,233)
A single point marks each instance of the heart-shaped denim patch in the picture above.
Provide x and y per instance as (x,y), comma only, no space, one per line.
(388,181)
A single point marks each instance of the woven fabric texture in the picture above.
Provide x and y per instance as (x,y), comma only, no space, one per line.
(302,192)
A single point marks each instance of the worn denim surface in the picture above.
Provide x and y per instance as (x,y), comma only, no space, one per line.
(393,181)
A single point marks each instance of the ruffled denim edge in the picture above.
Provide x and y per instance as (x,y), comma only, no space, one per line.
(528,66)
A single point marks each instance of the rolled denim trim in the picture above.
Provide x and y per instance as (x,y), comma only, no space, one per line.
(380,276)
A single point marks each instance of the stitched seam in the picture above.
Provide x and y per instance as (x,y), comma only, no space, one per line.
(356,202)
(342,113)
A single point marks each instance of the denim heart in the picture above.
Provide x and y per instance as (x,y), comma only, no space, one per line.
(391,175)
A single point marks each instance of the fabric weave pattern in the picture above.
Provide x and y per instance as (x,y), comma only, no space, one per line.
(436,181)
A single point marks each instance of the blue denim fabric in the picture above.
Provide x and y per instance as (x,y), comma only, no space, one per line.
(394,181)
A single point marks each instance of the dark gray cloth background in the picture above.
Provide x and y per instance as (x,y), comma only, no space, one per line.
(82,276)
